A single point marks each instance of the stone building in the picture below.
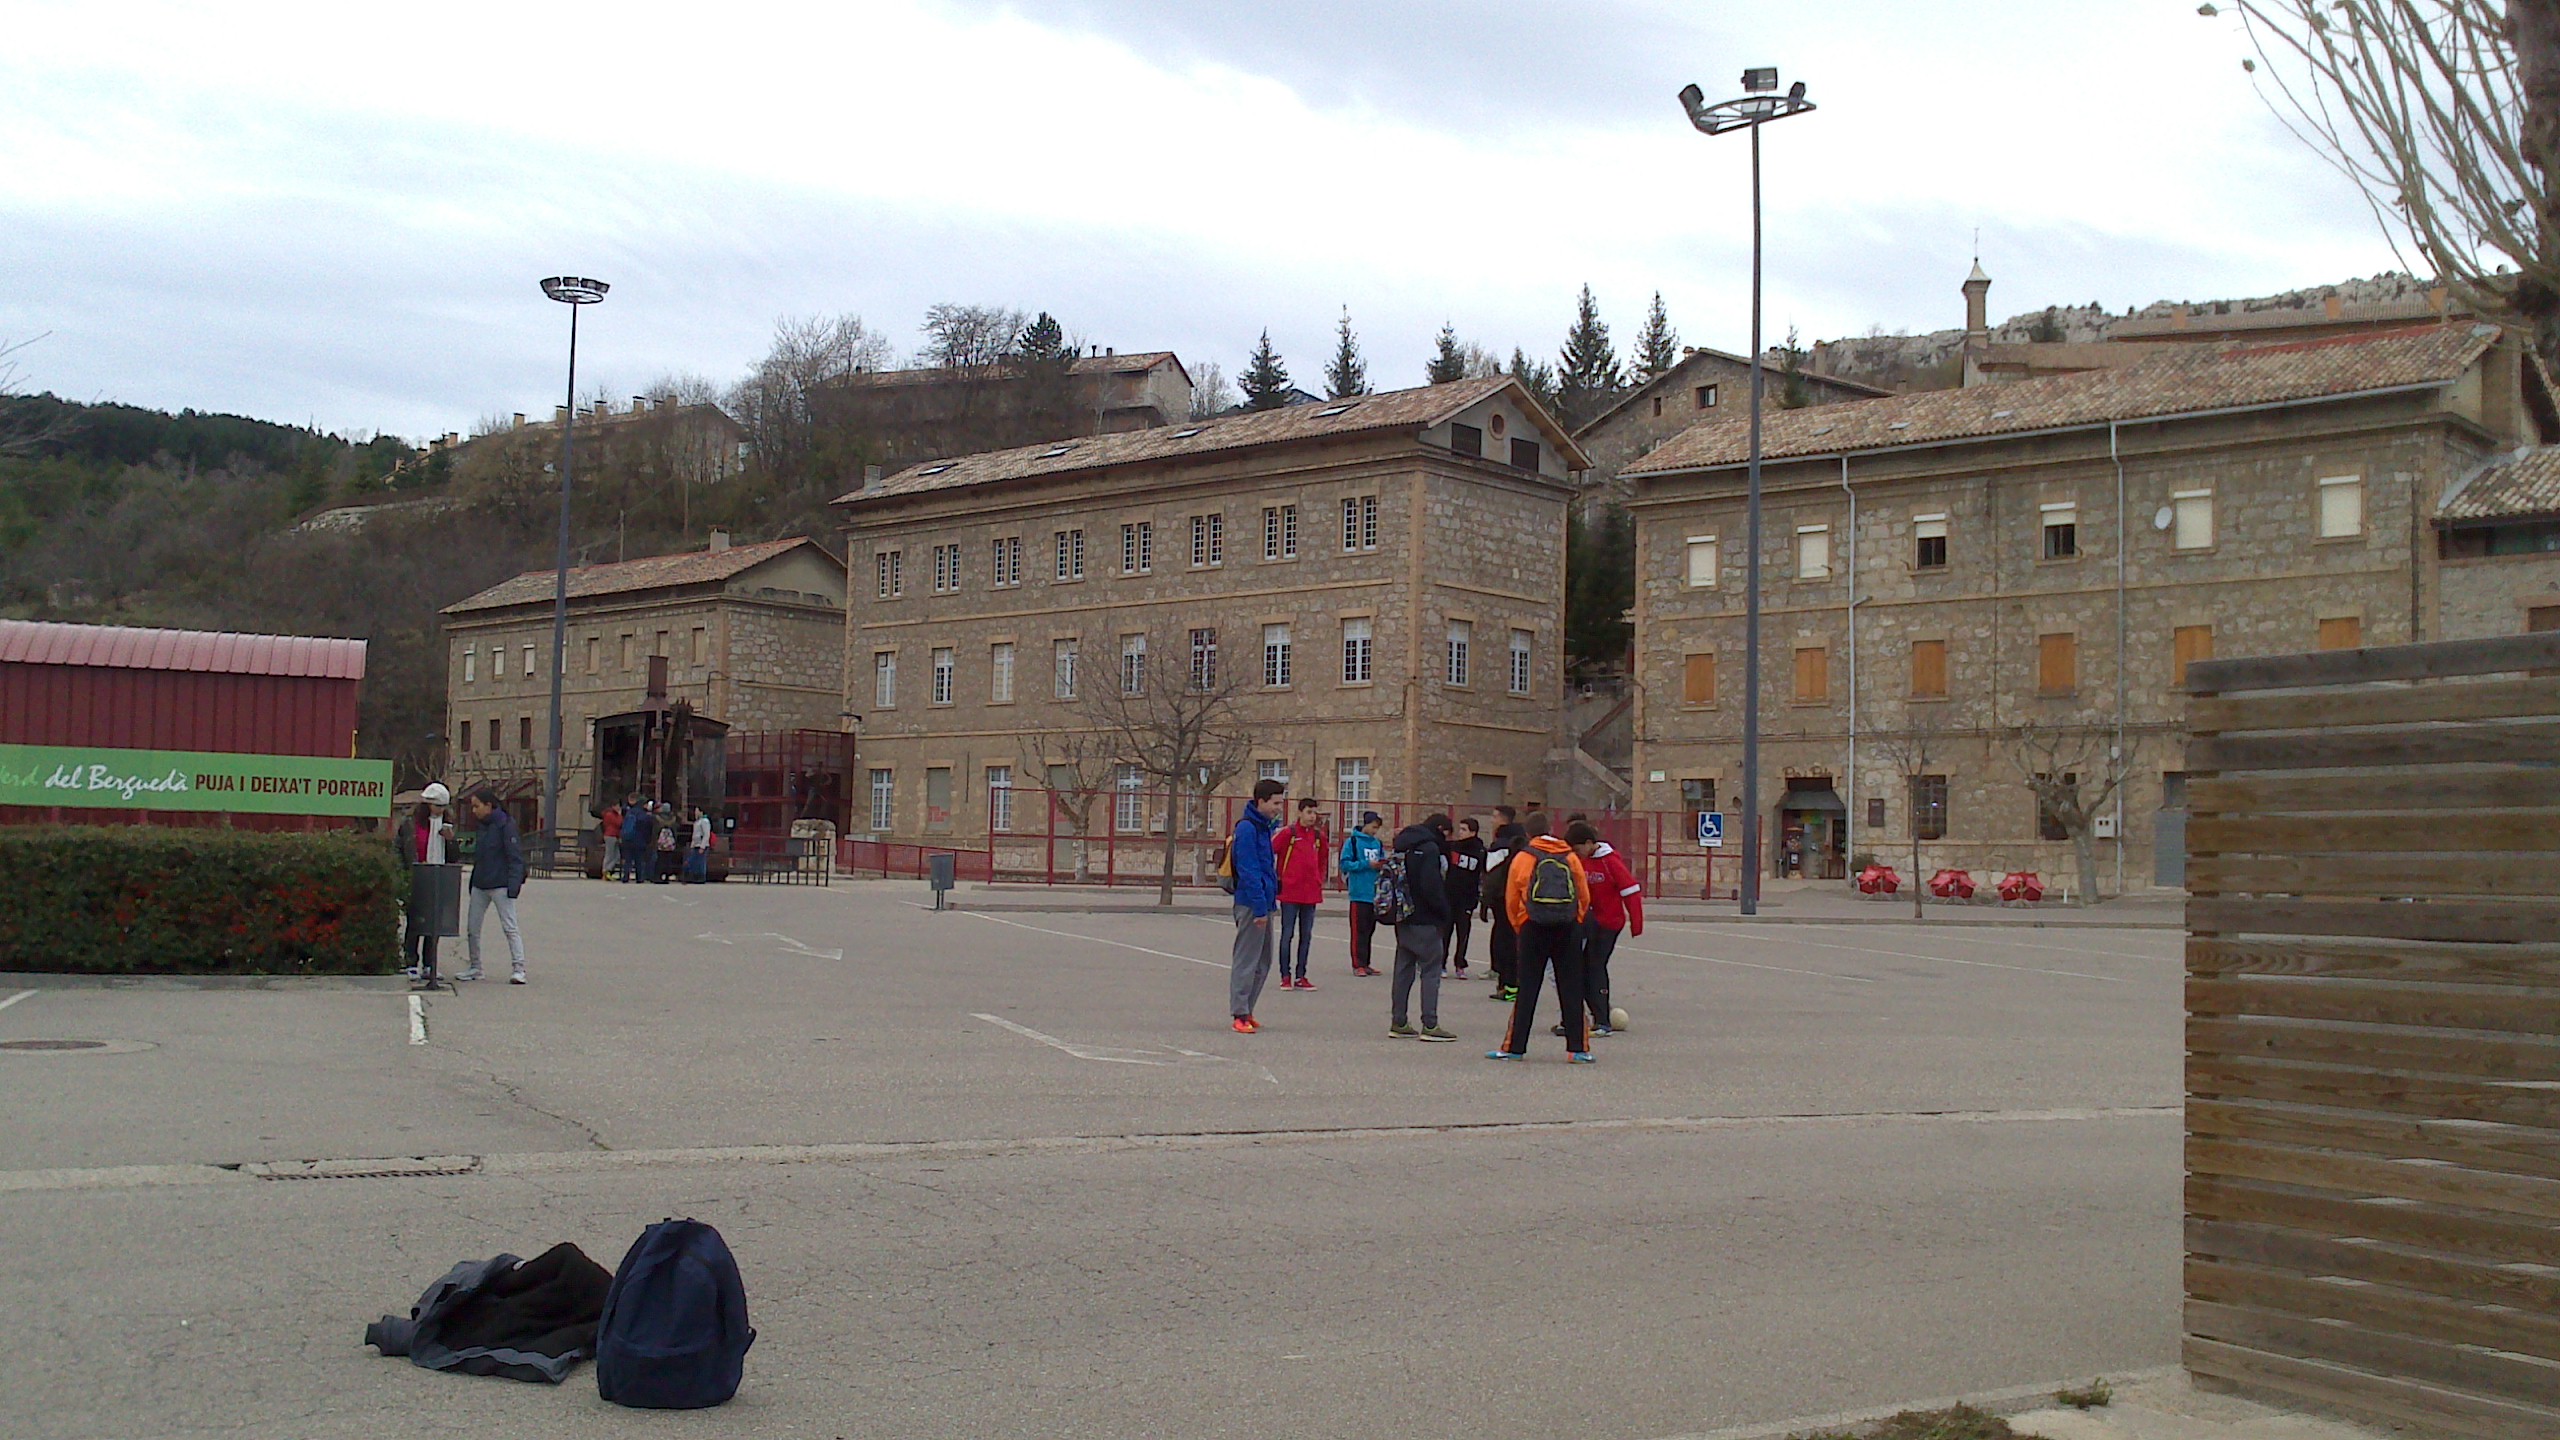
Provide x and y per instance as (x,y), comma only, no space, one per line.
(753,635)
(1706,385)
(2499,537)
(1951,569)
(931,412)
(1389,571)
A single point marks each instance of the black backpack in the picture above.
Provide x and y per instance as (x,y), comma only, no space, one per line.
(1551,898)
(1394,902)
(674,1334)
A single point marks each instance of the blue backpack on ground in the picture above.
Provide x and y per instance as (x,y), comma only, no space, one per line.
(674,1334)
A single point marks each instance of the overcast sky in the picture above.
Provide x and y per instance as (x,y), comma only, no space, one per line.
(337,214)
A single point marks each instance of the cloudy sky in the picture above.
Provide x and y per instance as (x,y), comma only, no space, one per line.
(337,213)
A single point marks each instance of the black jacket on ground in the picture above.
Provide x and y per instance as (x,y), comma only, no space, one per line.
(1425,876)
(523,1319)
(1466,880)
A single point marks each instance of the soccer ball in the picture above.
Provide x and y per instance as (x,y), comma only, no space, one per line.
(1618,1018)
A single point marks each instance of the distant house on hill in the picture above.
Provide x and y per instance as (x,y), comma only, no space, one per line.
(928,413)
(1706,385)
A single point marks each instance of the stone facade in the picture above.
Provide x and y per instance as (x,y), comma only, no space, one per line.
(759,645)
(1947,606)
(1707,385)
(2499,536)
(1357,548)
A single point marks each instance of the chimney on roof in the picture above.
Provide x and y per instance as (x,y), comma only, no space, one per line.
(2178,318)
(1977,306)
(639,403)
(719,541)
(559,413)
(2435,301)
(870,477)
(1108,351)
(519,420)
(2334,307)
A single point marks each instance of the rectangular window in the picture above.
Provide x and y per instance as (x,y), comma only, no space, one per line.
(1929,807)
(1813,675)
(1698,679)
(884,680)
(1138,548)
(470,665)
(1204,660)
(1351,780)
(946,569)
(2192,525)
(1270,532)
(1657,404)
(2061,529)
(1271,770)
(1928,669)
(662,644)
(1288,532)
(2188,644)
(1064,676)
(1706,397)
(884,566)
(1208,541)
(1355,652)
(1462,636)
(701,645)
(999,798)
(626,652)
(2341,507)
(1360,523)
(497,735)
(1004,561)
(1000,673)
(1133,664)
(528,660)
(1697,794)
(595,652)
(2049,826)
(463,741)
(2341,632)
(1928,542)
(1524,455)
(1702,562)
(942,667)
(2057,664)
(1275,656)
(884,800)
(497,662)
(1521,641)
(1129,800)
(1813,552)
(1070,554)
(1465,439)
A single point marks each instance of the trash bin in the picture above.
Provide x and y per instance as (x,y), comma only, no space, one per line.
(435,909)
(941,871)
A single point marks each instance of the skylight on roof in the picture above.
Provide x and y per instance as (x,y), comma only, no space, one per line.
(935,469)
(1055,451)
(1899,425)
(2002,414)
(1186,434)
(1821,429)
(1332,410)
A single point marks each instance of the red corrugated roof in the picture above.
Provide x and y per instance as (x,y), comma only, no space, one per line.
(123,647)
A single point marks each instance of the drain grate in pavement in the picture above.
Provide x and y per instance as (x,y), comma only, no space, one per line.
(395,1167)
(51,1045)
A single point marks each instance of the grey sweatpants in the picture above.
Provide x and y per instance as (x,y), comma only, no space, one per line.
(1250,965)
(481,900)
(1418,957)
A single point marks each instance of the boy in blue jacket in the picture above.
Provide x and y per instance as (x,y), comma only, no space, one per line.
(1360,851)
(1257,900)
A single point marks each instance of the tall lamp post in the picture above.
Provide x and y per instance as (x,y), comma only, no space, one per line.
(1759,104)
(575,292)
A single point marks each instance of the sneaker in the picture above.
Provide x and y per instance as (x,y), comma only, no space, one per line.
(1510,994)
(468,975)
(410,970)
(515,979)
(1434,1032)
(1602,1030)
(1496,993)
(1582,1057)
(1244,1025)
(1305,984)
(1503,1055)
(1556,1030)
(1401,1031)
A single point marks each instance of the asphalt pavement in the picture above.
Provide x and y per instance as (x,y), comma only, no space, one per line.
(1011,1175)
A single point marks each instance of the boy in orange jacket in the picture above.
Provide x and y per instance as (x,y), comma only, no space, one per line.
(1548,896)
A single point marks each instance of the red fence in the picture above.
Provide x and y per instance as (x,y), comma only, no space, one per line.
(1118,838)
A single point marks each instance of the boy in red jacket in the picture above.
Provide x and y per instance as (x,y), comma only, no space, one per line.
(1617,904)
(1299,851)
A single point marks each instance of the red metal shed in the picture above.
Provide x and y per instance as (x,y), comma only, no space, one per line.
(136,689)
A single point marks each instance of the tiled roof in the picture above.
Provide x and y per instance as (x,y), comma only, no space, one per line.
(655,572)
(120,647)
(1136,362)
(1676,376)
(2210,379)
(1415,409)
(2511,487)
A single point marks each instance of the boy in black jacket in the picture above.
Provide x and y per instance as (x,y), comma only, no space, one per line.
(1466,890)
(1422,932)
(1502,942)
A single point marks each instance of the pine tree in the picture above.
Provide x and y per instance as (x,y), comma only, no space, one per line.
(1587,372)
(1793,393)
(1448,362)
(1042,341)
(1534,377)
(1265,380)
(1347,375)
(1657,344)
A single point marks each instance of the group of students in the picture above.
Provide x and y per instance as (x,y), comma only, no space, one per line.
(640,843)
(1552,902)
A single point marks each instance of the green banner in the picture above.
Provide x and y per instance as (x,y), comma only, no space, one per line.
(74,775)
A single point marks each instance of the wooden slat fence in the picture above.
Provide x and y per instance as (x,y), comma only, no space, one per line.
(2373,1032)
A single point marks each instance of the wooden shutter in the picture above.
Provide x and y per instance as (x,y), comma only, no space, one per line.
(2342,632)
(1698,683)
(2057,664)
(2188,644)
(1813,675)
(1929,668)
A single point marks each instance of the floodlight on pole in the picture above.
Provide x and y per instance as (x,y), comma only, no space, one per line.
(1757,106)
(576,292)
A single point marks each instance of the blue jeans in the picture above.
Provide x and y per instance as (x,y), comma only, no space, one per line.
(1300,921)
(697,867)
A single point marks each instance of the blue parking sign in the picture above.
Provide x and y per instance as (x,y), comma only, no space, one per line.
(1711,828)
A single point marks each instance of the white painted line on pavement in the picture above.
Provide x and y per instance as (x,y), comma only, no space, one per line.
(1748,965)
(14,999)
(1951,960)
(1081,1052)
(417,1020)
(1978,938)
(1096,940)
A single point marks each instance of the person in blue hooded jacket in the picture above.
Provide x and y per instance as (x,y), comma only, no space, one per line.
(1257,900)
(1360,851)
(497,878)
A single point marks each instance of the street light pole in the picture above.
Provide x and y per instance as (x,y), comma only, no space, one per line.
(1759,105)
(576,292)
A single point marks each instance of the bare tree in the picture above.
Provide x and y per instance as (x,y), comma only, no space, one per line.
(1211,395)
(1181,732)
(2446,116)
(1915,752)
(1076,766)
(2073,772)
(970,337)
(20,431)
(781,402)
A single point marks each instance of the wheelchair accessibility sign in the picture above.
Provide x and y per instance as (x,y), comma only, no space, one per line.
(1711,828)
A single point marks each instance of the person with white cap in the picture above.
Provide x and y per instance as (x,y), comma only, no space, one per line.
(420,840)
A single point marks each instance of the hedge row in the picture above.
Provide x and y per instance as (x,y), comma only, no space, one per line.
(139,900)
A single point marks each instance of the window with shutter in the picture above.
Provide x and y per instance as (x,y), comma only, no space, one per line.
(1813,675)
(1702,562)
(2341,507)
(1698,680)
(2188,644)
(2341,632)
(1929,542)
(2057,664)
(1929,669)
(1813,552)
(2191,520)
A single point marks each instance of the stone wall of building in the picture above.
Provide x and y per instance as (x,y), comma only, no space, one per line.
(2499,595)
